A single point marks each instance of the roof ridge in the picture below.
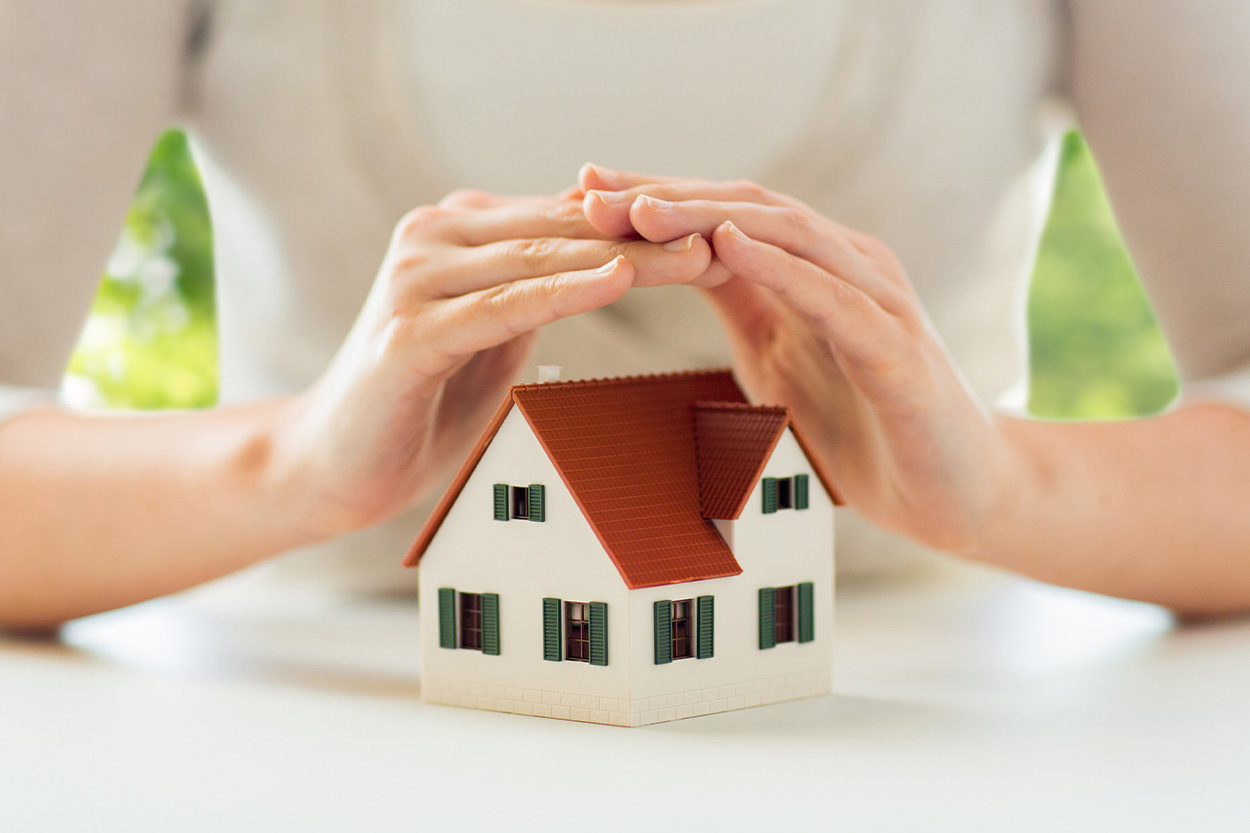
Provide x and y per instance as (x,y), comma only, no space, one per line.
(616,380)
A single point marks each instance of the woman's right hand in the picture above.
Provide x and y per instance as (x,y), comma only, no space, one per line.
(447,325)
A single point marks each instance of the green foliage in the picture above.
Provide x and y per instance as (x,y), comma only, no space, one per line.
(151,339)
(1095,351)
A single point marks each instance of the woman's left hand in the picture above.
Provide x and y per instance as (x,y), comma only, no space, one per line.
(822,318)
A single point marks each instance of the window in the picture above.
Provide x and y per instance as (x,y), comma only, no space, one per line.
(784,500)
(784,493)
(786,614)
(471,621)
(522,503)
(577,636)
(468,620)
(581,637)
(684,629)
(783,614)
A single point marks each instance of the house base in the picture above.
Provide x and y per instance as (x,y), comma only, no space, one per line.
(623,712)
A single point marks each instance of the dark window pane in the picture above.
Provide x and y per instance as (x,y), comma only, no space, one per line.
(785,493)
(520,502)
(577,634)
(683,644)
(471,621)
(784,606)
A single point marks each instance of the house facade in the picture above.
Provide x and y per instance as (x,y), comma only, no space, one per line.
(629,551)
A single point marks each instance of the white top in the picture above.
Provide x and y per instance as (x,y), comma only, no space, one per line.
(919,122)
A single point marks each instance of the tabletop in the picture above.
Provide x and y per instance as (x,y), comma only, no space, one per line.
(969,700)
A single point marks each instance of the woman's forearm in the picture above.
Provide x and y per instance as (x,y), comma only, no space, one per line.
(1151,509)
(100,512)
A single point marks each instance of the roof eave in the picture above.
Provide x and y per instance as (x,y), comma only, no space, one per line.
(435,521)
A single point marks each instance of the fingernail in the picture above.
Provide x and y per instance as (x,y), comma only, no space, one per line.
(734,230)
(682,244)
(656,203)
(611,197)
(598,170)
(609,267)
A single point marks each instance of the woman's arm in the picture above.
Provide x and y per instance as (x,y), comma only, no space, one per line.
(823,318)
(96,513)
(102,512)
(1150,509)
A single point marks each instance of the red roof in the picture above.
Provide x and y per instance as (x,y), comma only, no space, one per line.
(732,442)
(627,451)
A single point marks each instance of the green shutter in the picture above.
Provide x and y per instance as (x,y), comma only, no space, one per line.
(537,500)
(598,633)
(501,501)
(768,618)
(770,495)
(551,630)
(490,624)
(663,632)
(446,617)
(706,615)
(800,491)
(807,618)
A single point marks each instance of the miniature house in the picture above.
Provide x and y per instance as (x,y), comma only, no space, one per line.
(629,551)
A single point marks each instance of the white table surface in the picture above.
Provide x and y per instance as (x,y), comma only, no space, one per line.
(967,702)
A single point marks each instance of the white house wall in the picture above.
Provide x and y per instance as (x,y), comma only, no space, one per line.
(523,561)
(775,550)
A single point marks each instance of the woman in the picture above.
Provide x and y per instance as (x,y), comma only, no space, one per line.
(916,123)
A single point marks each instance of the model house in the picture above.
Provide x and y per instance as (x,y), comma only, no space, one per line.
(629,551)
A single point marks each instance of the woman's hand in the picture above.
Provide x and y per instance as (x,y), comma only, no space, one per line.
(822,318)
(448,323)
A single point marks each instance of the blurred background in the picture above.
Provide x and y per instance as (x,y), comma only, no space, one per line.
(151,339)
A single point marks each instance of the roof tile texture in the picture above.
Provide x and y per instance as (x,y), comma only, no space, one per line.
(733,441)
(625,447)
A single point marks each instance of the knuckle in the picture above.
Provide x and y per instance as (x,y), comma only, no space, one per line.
(408,273)
(795,219)
(565,212)
(419,220)
(499,303)
(535,251)
(880,253)
(751,189)
(466,198)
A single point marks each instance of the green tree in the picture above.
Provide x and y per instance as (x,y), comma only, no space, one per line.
(151,339)
(1094,348)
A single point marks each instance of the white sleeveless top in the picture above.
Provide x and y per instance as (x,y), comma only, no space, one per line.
(919,121)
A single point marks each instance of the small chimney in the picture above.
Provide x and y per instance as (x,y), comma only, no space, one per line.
(548,373)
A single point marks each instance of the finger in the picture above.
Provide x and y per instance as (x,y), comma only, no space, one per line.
(594,177)
(800,232)
(461,326)
(548,217)
(856,326)
(608,211)
(458,271)
(746,311)
(472,198)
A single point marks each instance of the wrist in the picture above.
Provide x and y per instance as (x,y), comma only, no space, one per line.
(271,468)
(1020,476)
